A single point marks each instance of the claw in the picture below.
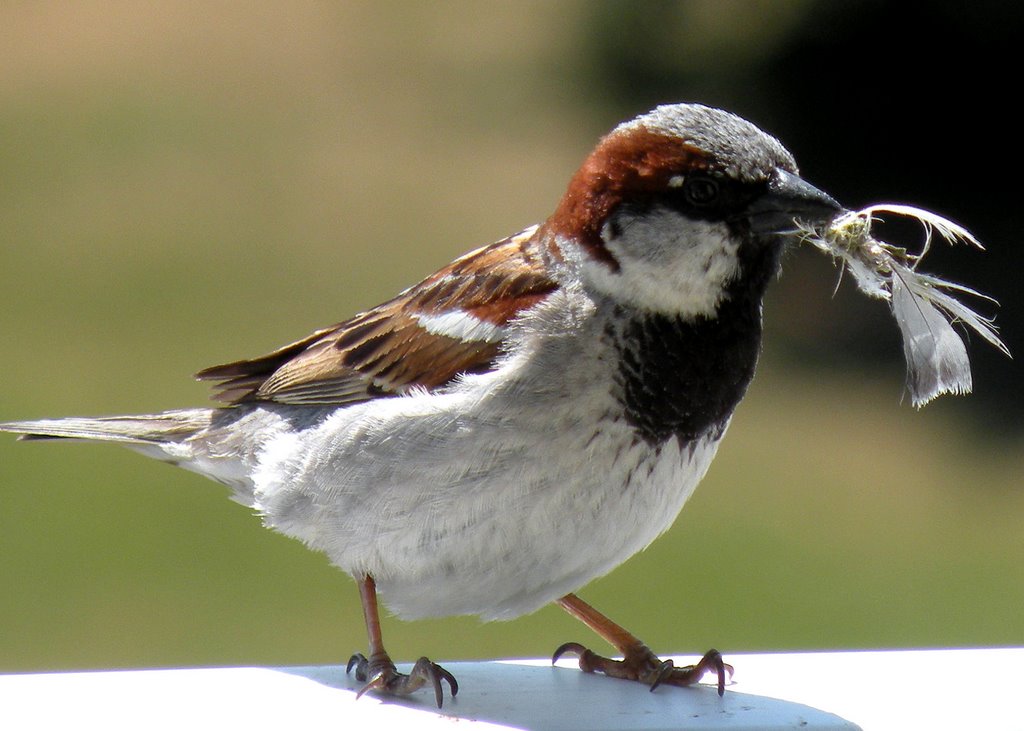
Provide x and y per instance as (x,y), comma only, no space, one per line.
(431,672)
(573,647)
(712,661)
(359,662)
(382,675)
(664,672)
(642,665)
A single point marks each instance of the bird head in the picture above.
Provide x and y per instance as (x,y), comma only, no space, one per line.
(674,207)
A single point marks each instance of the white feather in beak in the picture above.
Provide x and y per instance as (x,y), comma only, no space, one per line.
(923,304)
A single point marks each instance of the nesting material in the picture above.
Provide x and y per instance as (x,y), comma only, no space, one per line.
(925,306)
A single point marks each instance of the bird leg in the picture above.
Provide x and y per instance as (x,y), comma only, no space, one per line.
(638,662)
(379,672)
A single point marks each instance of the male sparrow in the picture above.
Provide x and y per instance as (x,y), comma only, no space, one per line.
(531,415)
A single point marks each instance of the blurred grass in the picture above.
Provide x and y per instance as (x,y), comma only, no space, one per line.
(183,186)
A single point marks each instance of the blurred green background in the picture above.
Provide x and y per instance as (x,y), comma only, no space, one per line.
(183,184)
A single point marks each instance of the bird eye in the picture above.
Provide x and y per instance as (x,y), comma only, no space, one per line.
(701,191)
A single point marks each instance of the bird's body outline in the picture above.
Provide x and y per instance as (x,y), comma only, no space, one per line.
(531,415)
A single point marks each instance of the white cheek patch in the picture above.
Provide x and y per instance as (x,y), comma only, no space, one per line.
(668,263)
(460,325)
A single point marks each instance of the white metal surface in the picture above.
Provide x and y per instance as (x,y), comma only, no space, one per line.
(933,689)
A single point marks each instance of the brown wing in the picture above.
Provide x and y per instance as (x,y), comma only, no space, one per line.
(448,324)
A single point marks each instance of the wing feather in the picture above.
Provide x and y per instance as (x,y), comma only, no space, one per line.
(388,350)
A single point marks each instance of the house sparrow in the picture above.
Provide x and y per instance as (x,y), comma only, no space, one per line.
(528,417)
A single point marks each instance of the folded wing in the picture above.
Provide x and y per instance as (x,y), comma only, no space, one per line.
(451,323)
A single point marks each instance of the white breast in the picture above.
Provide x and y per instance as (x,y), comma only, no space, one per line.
(494,498)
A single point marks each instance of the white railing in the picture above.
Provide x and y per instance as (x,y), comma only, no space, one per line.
(921,689)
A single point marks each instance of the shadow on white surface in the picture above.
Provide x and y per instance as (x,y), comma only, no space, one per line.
(531,694)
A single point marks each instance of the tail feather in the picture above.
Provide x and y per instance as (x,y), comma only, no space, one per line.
(167,427)
(188,438)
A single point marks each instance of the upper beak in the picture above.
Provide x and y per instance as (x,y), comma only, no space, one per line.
(790,200)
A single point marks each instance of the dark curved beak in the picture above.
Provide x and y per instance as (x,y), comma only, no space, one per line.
(790,199)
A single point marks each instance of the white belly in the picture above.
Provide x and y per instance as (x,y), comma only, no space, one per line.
(494,498)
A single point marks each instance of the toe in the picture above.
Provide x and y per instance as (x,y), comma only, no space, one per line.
(426,671)
(360,663)
(382,676)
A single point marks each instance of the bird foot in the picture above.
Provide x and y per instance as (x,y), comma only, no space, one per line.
(642,665)
(380,674)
